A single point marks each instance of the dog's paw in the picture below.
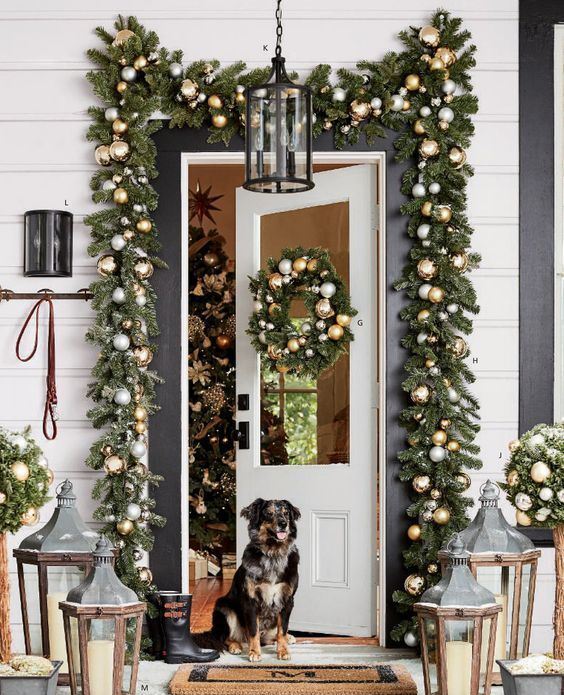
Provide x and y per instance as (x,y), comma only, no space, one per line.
(291,639)
(254,655)
(283,653)
(234,648)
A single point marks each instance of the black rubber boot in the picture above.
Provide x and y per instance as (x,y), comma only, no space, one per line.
(155,625)
(180,647)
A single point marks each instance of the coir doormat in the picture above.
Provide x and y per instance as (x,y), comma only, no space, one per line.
(247,679)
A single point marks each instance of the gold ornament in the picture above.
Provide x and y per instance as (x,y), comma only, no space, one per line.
(335,332)
(453,446)
(445,423)
(429,363)
(512,478)
(140,63)
(143,269)
(106,265)
(419,127)
(522,518)
(312,265)
(435,494)
(441,516)
(447,55)
(144,226)
(423,315)
(427,269)
(413,441)
(142,355)
(513,445)
(324,309)
(443,213)
(50,477)
(299,265)
(219,120)
(140,413)
(421,483)
(458,347)
(414,584)
(443,125)
(412,82)
(127,324)
(215,102)
(420,394)
(439,437)
(429,36)
(120,196)
(128,234)
(223,341)
(145,575)
(119,150)
(429,148)
(436,295)
(459,261)
(240,98)
(121,86)
(432,568)
(211,259)
(427,208)
(457,157)
(214,399)
(275,281)
(432,339)
(274,309)
(359,110)
(102,155)
(293,345)
(436,64)
(343,320)
(20,471)
(189,89)
(114,464)
(140,427)
(141,470)
(30,517)
(124,527)
(274,352)
(425,58)
(122,36)
(406,105)
(414,532)
(463,479)
(540,472)
(120,127)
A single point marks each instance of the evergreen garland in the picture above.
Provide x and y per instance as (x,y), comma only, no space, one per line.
(413,92)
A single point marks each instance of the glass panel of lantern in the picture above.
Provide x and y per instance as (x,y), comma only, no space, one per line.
(457,624)
(103,621)
(50,562)
(505,561)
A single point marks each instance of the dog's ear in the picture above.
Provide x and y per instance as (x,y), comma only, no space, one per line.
(294,512)
(252,512)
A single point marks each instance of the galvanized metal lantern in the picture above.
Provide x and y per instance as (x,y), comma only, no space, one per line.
(457,624)
(50,562)
(103,621)
(278,144)
(505,561)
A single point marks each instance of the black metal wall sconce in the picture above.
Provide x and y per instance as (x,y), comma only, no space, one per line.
(48,243)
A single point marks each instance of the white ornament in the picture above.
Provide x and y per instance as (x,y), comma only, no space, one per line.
(285,266)
(138,449)
(418,190)
(434,188)
(536,440)
(262,338)
(118,296)
(396,102)
(540,472)
(452,308)
(443,316)
(523,501)
(257,306)
(434,371)
(141,300)
(545,511)
(128,74)
(269,326)
(453,395)
(424,111)
(327,289)
(560,495)
(305,328)
(122,397)
(111,113)
(137,208)
(175,70)
(424,290)
(121,342)
(546,494)
(376,103)
(437,454)
(239,89)
(309,352)
(425,243)
(410,639)
(118,242)
(541,517)
(339,94)
(202,97)
(421,338)
(322,337)
(42,461)
(133,511)
(446,114)
(423,231)
(20,442)
(448,87)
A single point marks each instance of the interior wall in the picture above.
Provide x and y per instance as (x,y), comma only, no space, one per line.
(47,162)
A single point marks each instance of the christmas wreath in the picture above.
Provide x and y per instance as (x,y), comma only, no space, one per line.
(308,346)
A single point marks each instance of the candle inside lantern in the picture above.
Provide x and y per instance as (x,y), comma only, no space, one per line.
(459,667)
(57,646)
(101,666)
(500,635)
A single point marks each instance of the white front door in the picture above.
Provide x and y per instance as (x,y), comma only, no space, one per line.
(314,443)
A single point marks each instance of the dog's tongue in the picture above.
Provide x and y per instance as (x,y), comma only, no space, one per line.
(281,535)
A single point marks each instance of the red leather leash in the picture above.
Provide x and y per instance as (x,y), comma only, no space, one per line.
(50,411)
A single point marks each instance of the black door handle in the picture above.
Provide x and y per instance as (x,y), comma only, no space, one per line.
(242,435)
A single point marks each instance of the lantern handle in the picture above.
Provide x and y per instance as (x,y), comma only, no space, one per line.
(490,483)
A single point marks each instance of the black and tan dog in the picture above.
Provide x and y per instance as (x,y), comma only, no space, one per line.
(258,606)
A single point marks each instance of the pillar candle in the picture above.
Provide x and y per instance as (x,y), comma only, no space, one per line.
(459,667)
(57,646)
(101,666)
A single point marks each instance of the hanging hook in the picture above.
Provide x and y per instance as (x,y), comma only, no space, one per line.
(278,28)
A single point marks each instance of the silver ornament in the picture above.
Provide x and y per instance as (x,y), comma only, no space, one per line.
(285,266)
(448,87)
(339,94)
(376,103)
(431,505)
(327,289)
(345,129)
(269,298)
(546,494)
(396,102)
(320,325)
(133,511)
(424,290)
(418,190)
(257,306)
(141,300)
(202,97)
(108,185)
(121,342)
(124,221)
(137,208)
(410,639)
(305,328)
(427,515)
(421,338)
(453,395)
(269,326)
(434,188)
(122,397)
(437,454)
(452,308)
(20,442)
(322,337)
(523,501)
(137,555)
(287,279)
(424,111)
(118,296)
(128,74)
(262,323)
(262,338)
(239,89)
(535,441)
(423,231)
(111,113)
(138,449)
(175,70)
(118,243)
(309,352)
(425,243)
(560,495)
(434,371)
(446,114)
(110,518)
(43,462)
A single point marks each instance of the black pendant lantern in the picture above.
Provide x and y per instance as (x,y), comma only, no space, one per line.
(48,243)
(278,130)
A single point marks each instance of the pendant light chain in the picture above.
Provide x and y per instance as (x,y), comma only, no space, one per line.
(278,28)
